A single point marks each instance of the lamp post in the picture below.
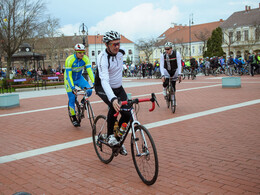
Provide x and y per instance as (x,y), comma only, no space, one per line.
(190,23)
(82,31)
(96,37)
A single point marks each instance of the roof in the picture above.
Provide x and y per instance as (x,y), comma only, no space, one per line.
(27,56)
(248,17)
(170,30)
(92,39)
(181,35)
(71,41)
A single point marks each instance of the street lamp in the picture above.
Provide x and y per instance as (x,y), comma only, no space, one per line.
(190,23)
(82,31)
(96,37)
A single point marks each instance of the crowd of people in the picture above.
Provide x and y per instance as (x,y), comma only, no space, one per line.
(31,73)
(214,65)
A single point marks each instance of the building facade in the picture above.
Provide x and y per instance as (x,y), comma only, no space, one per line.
(241,32)
(190,41)
(56,49)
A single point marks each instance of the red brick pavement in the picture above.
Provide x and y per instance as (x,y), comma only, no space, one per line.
(213,154)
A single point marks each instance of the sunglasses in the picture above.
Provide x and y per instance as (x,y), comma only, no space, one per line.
(81,52)
(167,48)
(114,44)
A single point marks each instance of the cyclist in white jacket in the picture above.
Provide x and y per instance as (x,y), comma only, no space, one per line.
(170,66)
(108,83)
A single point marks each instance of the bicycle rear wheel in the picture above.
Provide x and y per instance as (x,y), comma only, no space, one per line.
(77,112)
(99,135)
(90,113)
(146,160)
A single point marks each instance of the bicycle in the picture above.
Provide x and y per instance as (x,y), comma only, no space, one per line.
(193,73)
(143,148)
(81,106)
(170,96)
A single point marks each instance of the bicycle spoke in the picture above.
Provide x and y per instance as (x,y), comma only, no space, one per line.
(144,155)
(103,151)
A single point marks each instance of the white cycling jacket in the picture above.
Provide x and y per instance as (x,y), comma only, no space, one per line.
(110,71)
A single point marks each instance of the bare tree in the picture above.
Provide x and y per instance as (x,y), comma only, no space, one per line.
(229,39)
(147,46)
(52,37)
(19,19)
(181,45)
(203,36)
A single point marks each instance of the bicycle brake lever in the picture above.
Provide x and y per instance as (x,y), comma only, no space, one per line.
(155,100)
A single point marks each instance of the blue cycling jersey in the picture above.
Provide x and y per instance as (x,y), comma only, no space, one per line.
(74,68)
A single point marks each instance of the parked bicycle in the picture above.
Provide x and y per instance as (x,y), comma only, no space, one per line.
(170,96)
(81,106)
(143,148)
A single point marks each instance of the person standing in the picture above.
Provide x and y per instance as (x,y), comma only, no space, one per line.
(108,84)
(170,66)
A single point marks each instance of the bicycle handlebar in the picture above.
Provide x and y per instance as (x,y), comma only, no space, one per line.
(136,101)
(84,90)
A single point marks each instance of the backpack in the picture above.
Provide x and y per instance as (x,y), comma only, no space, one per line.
(251,59)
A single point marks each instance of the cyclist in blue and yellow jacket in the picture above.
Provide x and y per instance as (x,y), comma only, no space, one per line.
(74,67)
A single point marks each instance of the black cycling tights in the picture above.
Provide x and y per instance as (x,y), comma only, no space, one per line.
(125,115)
(166,83)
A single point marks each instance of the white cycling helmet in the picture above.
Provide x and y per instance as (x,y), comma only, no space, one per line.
(79,47)
(168,44)
(110,36)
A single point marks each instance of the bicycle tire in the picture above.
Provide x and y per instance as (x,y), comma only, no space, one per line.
(173,105)
(146,160)
(103,151)
(167,98)
(90,113)
(77,112)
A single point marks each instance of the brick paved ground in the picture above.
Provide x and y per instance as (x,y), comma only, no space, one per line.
(217,153)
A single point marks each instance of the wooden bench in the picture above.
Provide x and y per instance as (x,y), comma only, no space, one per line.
(9,101)
(52,80)
(231,82)
(24,82)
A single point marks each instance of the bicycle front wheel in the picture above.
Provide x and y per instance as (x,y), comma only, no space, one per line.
(99,135)
(173,104)
(167,98)
(90,113)
(77,112)
(144,155)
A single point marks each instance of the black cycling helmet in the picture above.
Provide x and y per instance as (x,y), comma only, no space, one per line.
(110,36)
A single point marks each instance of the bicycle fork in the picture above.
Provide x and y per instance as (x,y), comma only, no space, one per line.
(135,139)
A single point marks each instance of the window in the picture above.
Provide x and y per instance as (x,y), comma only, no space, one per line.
(230,36)
(246,35)
(49,56)
(93,53)
(66,54)
(193,49)
(56,56)
(129,51)
(257,33)
(61,55)
(99,51)
(200,49)
(238,35)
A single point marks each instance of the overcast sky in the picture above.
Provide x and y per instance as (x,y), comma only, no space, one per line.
(138,19)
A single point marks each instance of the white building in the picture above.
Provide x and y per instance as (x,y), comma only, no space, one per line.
(241,32)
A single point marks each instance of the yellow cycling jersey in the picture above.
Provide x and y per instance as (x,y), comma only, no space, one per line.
(74,68)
